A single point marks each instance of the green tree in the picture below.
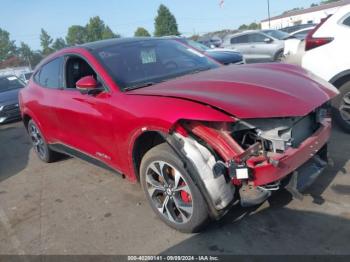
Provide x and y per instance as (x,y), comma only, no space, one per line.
(26,54)
(140,31)
(76,35)
(37,57)
(165,22)
(45,42)
(94,29)
(108,33)
(7,46)
(97,30)
(243,27)
(329,1)
(58,44)
(254,26)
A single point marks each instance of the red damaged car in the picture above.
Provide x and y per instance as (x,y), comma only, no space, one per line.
(197,135)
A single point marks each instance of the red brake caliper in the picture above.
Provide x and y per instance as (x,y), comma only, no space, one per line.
(184,195)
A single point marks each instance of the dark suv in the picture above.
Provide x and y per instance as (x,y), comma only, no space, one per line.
(9,88)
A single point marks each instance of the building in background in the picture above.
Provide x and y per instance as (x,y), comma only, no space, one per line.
(312,15)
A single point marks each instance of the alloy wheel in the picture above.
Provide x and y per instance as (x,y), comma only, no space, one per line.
(37,140)
(169,192)
(344,108)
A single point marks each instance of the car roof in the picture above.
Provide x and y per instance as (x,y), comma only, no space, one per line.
(246,32)
(118,41)
(303,29)
(293,29)
(91,46)
(242,33)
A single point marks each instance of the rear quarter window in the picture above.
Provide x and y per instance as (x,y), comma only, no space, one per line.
(347,21)
(239,39)
(50,74)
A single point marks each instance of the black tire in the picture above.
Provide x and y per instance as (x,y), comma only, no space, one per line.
(39,144)
(343,99)
(199,215)
(278,56)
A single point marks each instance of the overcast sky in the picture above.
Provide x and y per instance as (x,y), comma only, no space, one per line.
(24,18)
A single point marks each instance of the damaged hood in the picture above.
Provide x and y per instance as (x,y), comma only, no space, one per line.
(249,91)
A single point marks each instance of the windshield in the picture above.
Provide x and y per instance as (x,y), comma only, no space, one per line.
(141,63)
(197,45)
(10,82)
(280,35)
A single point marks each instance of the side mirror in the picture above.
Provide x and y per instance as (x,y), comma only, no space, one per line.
(86,83)
(268,40)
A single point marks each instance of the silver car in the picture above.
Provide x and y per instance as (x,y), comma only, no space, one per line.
(258,45)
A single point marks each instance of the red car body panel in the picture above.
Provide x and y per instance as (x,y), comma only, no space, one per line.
(248,91)
(110,122)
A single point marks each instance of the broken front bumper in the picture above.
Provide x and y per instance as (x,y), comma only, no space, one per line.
(284,164)
(218,179)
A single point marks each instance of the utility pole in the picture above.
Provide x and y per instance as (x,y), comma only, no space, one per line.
(268,12)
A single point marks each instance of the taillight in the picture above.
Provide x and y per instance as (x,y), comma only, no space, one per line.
(313,42)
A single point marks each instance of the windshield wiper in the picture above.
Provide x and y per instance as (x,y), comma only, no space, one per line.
(138,86)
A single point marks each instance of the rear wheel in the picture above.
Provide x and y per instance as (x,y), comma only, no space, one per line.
(341,105)
(279,56)
(39,144)
(170,190)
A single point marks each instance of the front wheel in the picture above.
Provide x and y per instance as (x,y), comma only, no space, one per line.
(170,190)
(39,144)
(341,105)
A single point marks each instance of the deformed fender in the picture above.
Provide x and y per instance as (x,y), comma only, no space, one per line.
(198,160)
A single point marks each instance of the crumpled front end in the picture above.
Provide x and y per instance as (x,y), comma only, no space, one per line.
(256,156)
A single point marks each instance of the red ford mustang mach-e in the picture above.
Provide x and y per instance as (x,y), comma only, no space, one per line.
(197,135)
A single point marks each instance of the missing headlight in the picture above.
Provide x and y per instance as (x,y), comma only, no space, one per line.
(276,134)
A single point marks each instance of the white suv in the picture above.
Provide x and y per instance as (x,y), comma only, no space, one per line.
(328,56)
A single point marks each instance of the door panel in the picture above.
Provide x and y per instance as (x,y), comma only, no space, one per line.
(86,123)
(241,44)
(47,84)
(259,49)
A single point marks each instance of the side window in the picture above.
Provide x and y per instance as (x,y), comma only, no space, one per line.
(302,34)
(50,74)
(256,38)
(242,39)
(347,21)
(75,69)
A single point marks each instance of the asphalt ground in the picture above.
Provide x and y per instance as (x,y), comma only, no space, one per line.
(72,207)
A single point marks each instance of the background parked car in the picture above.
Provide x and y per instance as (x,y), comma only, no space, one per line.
(25,76)
(258,45)
(16,71)
(328,56)
(211,41)
(294,45)
(222,55)
(294,28)
(9,88)
(301,33)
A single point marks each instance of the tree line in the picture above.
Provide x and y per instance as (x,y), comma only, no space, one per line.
(11,55)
